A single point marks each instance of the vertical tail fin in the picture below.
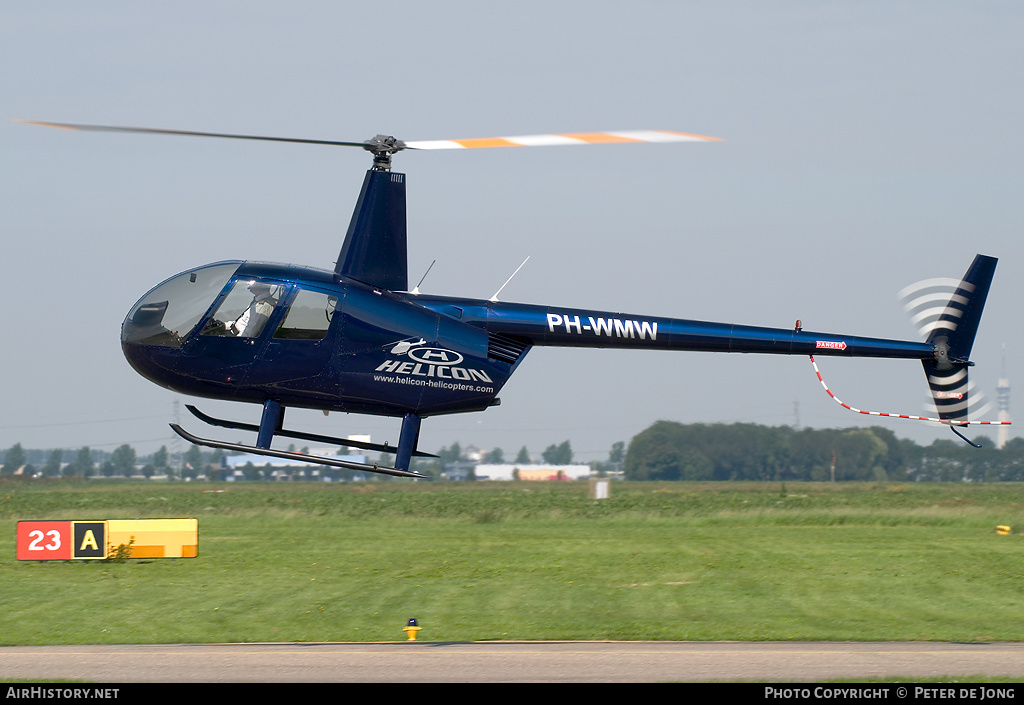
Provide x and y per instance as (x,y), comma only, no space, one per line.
(374,251)
(952,330)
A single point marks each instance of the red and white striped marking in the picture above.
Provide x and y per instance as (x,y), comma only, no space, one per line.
(901,416)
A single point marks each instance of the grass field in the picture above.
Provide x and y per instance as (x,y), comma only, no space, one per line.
(519,561)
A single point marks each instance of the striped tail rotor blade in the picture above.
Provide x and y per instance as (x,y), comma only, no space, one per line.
(948,311)
(953,396)
(950,390)
(927,303)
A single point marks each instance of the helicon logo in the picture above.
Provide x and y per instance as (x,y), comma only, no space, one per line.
(430,362)
(435,356)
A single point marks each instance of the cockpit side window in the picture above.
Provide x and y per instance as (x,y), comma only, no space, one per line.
(245,310)
(309,316)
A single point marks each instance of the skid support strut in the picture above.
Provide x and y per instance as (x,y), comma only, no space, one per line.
(270,423)
(407,440)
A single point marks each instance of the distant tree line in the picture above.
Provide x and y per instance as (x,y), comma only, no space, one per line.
(666,450)
(674,451)
(121,462)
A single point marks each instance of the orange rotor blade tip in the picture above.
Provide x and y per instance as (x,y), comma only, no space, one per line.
(55,125)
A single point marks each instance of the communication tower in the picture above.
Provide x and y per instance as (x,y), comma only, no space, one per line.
(1003,400)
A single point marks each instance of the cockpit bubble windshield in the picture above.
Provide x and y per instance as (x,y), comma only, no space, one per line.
(167,314)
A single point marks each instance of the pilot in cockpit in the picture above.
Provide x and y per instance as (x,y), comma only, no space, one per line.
(252,320)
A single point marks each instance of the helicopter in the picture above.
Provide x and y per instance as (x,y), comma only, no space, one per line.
(356,339)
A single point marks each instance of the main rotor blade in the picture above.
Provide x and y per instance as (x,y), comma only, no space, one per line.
(382,144)
(627,136)
(155,131)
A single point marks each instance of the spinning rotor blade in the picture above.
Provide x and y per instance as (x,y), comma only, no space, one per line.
(383,146)
(563,139)
(390,144)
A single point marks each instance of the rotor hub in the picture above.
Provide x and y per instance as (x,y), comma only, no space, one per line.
(382,147)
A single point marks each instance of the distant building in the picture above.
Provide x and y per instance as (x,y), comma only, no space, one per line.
(459,471)
(473,454)
(283,469)
(532,472)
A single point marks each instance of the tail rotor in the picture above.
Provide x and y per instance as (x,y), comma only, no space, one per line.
(948,313)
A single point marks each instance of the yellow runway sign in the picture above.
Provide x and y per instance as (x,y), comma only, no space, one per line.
(75,540)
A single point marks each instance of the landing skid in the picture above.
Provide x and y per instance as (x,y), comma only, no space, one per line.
(302,436)
(311,459)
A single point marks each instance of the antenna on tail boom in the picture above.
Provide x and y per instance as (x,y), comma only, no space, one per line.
(494,298)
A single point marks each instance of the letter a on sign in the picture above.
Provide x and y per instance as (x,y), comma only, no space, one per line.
(90,539)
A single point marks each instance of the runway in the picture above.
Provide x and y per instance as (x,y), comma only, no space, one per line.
(508,662)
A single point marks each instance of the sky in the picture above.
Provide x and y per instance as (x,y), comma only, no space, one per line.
(867,146)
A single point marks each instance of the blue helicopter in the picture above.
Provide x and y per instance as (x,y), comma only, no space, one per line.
(356,339)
